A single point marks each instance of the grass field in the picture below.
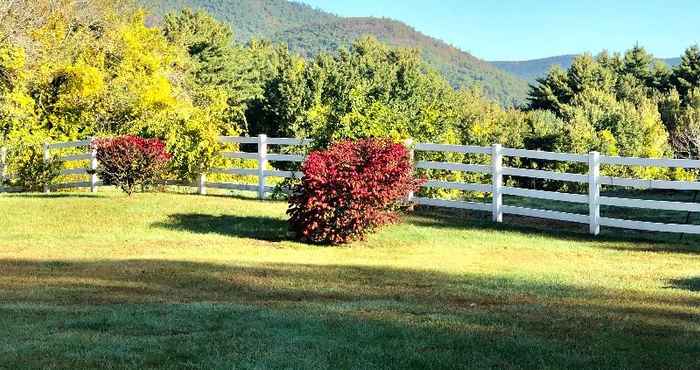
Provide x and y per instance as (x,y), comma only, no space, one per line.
(182,281)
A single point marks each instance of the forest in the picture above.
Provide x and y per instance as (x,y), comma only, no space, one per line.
(309,31)
(74,69)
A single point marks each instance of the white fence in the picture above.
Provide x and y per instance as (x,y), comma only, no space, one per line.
(262,157)
(495,170)
(89,155)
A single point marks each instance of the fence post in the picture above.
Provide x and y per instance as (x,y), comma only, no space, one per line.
(3,168)
(262,162)
(203,183)
(93,167)
(497,183)
(594,192)
(47,157)
(411,157)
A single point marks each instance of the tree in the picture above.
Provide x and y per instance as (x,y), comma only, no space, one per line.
(369,90)
(620,127)
(609,103)
(222,67)
(285,98)
(686,133)
(586,73)
(551,92)
(637,62)
(686,76)
(93,68)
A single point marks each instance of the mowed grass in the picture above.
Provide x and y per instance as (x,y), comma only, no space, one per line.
(183,281)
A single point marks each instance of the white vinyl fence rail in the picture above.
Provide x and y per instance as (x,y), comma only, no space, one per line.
(3,170)
(89,155)
(496,170)
(262,157)
(88,171)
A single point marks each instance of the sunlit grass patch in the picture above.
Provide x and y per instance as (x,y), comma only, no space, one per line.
(177,281)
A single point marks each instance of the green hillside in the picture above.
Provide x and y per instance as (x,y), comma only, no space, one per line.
(460,68)
(249,18)
(309,31)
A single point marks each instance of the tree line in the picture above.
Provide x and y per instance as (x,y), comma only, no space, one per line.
(76,68)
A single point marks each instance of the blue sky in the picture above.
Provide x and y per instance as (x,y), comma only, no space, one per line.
(519,29)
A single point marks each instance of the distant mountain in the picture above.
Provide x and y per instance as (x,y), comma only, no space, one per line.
(672,61)
(459,67)
(309,31)
(532,69)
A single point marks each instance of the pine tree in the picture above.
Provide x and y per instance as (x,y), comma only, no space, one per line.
(686,76)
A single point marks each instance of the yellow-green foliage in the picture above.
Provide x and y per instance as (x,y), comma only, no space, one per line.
(602,123)
(16,106)
(95,68)
(369,90)
(120,77)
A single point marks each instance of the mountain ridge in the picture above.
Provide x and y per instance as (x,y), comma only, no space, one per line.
(463,70)
(532,69)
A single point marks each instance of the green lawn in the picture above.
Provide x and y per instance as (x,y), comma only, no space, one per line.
(184,281)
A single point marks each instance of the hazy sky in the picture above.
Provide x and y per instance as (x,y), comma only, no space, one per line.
(520,29)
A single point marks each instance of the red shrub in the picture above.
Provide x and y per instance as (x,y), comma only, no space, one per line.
(131,161)
(350,189)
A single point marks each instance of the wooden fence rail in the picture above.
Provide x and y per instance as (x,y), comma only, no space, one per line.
(495,170)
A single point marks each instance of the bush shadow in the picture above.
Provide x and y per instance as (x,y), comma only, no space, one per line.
(252,227)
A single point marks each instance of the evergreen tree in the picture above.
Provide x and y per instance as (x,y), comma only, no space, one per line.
(686,76)
(637,62)
(551,92)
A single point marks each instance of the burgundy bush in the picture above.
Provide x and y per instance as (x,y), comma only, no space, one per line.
(350,189)
(131,161)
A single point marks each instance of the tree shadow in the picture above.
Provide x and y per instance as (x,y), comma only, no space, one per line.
(54,195)
(692,284)
(342,316)
(253,227)
(635,241)
(242,195)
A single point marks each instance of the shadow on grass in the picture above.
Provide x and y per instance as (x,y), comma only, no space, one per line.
(160,313)
(610,238)
(691,284)
(276,230)
(237,195)
(252,227)
(53,195)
